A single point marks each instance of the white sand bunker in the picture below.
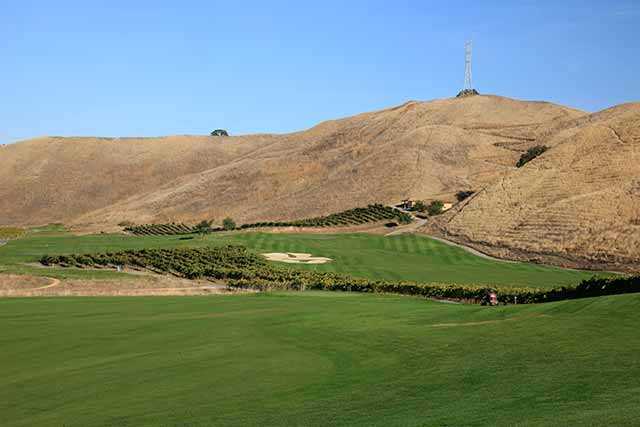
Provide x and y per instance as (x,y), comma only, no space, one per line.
(296,258)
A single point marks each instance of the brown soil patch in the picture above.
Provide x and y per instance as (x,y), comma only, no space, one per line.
(13,281)
(144,285)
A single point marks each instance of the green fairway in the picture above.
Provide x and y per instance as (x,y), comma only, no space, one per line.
(317,359)
(402,257)
(409,257)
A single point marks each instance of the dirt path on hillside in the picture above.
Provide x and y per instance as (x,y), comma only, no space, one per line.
(54,282)
(409,228)
(470,249)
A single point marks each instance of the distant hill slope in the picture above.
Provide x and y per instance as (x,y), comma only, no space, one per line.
(417,150)
(577,204)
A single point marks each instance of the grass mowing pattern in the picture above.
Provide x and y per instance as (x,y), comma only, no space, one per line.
(403,257)
(317,359)
(408,257)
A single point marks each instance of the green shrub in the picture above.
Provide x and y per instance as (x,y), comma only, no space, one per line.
(419,206)
(228,224)
(435,207)
(203,227)
(355,216)
(531,154)
(161,229)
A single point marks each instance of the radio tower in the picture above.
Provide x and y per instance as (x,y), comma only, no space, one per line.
(467,65)
(468,89)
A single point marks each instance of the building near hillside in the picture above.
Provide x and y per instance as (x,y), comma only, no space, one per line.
(406,204)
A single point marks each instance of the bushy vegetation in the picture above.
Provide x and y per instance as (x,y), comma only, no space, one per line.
(161,229)
(203,227)
(419,206)
(228,224)
(7,233)
(332,282)
(219,132)
(462,195)
(531,154)
(372,213)
(435,207)
(219,262)
(241,268)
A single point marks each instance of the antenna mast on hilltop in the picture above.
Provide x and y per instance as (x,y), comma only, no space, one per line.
(467,65)
(468,89)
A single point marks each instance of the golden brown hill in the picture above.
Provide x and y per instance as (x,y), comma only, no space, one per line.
(58,179)
(577,204)
(417,150)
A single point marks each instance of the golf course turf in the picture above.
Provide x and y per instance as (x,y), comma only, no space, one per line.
(317,359)
(403,257)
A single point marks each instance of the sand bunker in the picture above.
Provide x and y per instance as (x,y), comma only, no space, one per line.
(296,258)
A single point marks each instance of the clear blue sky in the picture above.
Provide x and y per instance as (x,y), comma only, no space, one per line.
(117,68)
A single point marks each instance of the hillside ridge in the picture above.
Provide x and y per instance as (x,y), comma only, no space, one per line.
(418,150)
(576,205)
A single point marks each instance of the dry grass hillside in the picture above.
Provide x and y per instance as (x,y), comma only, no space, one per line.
(417,150)
(577,204)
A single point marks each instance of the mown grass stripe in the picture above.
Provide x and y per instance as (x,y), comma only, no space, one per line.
(415,257)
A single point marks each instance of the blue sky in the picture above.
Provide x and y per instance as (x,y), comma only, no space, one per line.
(117,68)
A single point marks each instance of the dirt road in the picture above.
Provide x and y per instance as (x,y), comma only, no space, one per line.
(54,282)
